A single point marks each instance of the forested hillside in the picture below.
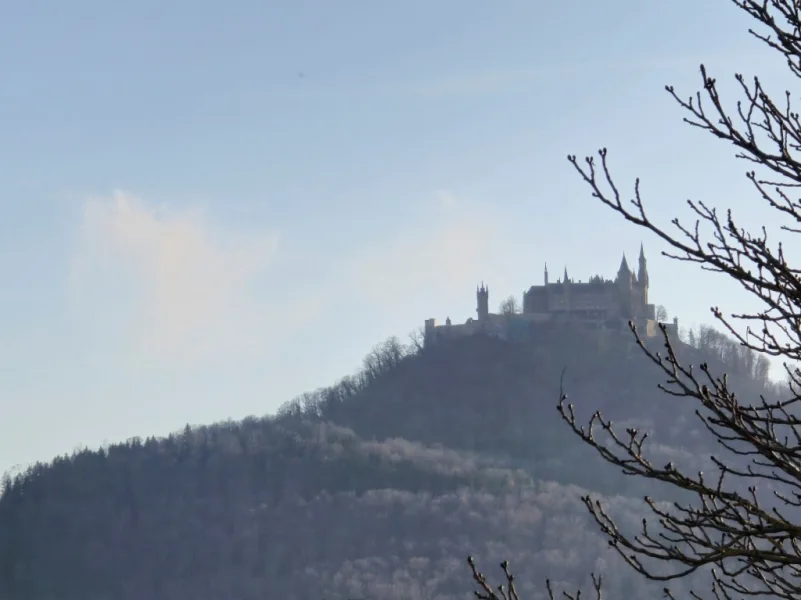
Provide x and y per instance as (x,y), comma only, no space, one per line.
(377,487)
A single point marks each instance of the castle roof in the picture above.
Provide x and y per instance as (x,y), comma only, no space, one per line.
(624,266)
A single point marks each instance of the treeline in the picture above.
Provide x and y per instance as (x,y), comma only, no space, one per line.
(734,358)
(547,355)
(375,487)
(255,510)
(453,393)
(383,359)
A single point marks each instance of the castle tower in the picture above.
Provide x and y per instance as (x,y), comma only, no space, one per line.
(482,302)
(566,282)
(624,285)
(624,273)
(642,275)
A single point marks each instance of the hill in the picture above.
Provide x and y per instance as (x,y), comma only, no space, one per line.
(376,487)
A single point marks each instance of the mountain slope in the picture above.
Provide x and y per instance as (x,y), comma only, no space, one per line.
(377,487)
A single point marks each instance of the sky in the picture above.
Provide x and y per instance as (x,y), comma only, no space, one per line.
(209,208)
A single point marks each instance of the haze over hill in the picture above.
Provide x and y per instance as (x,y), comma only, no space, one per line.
(163,162)
(376,487)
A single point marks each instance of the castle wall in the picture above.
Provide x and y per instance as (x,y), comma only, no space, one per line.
(435,332)
(583,301)
(535,300)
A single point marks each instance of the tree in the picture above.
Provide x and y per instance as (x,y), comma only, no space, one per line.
(743,519)
(661,313)
(510,306)
(417,340)
(383,358)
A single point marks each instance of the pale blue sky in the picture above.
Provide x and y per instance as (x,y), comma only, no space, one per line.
(208,208)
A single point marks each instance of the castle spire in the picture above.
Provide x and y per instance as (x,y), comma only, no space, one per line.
(624,265)
(566,279)
(546,273)
(642,272)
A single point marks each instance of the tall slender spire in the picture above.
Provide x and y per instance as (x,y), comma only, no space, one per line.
(566,279)
(642,272)
(546,273)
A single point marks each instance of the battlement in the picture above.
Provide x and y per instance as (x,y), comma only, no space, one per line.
(597,304)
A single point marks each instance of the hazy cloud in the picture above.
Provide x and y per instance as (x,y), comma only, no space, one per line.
(172,288)
(447,251)
(186,282)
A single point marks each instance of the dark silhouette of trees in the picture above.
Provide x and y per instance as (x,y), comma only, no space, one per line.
(749,539)
(383,358)
(734,357)
(417,340)
(368,488)
(510,306)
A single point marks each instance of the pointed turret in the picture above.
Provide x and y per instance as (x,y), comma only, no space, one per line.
(642,273)
(642,280)
(624,270)
(624,275)
(566,280)
(546,273)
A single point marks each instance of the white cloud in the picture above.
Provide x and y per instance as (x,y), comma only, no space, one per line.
(447,252)
(172,289)
(186,283)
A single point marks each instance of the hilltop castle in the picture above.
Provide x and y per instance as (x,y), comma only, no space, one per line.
(598,303)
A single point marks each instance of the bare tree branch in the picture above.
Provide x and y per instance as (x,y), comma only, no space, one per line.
(743,521)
